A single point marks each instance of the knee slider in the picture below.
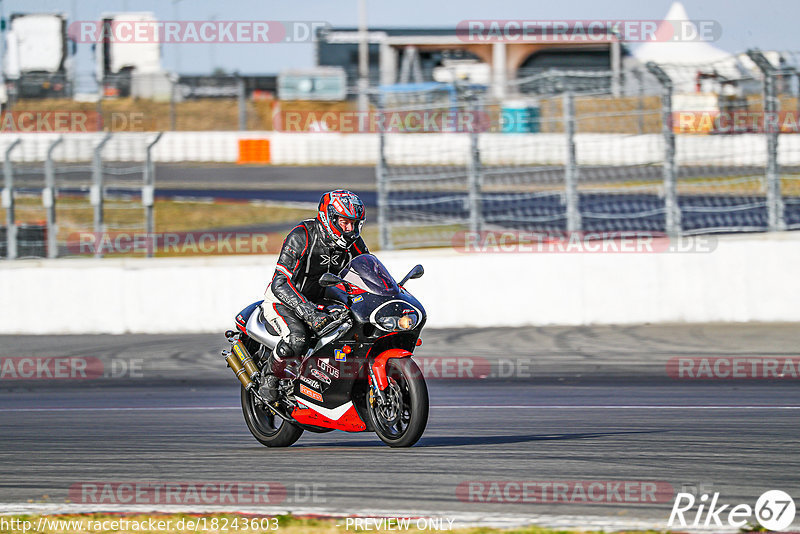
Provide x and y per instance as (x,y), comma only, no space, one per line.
(284,350)
(298,343)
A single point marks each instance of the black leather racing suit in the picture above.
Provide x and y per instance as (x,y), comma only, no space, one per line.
(289,301)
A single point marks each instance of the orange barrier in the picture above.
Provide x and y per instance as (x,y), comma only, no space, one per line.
(253,151)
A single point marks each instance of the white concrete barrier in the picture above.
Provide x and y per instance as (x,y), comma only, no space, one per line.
(411,149)
(747,278)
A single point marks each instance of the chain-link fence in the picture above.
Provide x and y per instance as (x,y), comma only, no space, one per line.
(679,149)
(735,144)
(80,206)
(676,149)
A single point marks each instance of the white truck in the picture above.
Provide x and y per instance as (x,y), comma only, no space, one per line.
(36,59)
(128,60)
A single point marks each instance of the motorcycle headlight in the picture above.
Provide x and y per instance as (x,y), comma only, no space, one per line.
(407,322)
(396,318)
(388,323)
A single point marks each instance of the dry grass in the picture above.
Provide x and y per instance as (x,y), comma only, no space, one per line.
(170,215)
(604,114)
(131,114)
(594,114)
(75,217)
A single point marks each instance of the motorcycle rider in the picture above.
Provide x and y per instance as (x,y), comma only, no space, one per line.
(315,246)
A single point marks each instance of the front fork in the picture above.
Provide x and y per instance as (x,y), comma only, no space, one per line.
(377,371)
(373,384)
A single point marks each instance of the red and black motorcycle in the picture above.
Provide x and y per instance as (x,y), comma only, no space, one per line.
(357,377)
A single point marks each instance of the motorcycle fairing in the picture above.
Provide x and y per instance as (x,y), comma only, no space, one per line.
(340,389)
(244,316)
(251,322)
(336,410)
(379,365)
(364,306)
(342,417)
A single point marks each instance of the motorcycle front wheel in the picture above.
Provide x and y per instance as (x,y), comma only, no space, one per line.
(266,427)
(400,421)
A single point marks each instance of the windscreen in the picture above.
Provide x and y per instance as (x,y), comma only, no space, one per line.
(368,273)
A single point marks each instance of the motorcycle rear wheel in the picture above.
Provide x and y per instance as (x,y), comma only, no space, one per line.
(402,423)
(266,427)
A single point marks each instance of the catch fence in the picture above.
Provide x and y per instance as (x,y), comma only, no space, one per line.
(662,152)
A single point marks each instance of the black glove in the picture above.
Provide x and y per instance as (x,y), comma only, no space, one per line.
(336,310)
(320,322)
(316,319)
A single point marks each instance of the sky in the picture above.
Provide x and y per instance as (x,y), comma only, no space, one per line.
(766,24)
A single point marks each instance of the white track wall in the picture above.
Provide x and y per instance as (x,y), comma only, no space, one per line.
(750,278)
(411,149)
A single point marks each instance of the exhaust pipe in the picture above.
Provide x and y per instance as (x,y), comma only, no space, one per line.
(245,369)
(240,361)
(238,370)
(247,360)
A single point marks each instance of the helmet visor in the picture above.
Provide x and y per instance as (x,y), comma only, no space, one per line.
(346,225)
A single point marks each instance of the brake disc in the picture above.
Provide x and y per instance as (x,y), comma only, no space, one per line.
(393,408)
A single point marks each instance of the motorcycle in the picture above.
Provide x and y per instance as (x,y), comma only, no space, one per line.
(357,377)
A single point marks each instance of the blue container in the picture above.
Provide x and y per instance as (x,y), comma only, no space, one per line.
(519,117)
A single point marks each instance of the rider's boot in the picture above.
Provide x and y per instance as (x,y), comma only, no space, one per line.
(273,372)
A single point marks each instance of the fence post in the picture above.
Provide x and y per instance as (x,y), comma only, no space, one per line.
(570,164)
(797,100)
(774,200)
(49,199)
(96,194)
(148,194)
(640,99)
(173,80)
(242,97)
(671,206)
(101,89)
(384,235)
(8,202)
(474,172)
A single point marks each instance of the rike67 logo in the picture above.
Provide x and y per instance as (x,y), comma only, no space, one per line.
(774,510)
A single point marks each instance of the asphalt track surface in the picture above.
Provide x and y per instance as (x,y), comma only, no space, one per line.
(561,404)
(202,176)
